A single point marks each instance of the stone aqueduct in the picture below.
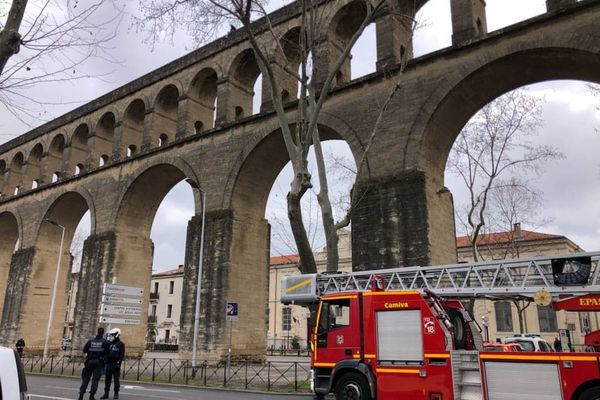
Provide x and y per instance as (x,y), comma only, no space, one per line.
(119,155)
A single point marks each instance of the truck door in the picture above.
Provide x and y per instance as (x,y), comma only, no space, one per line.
(338,336)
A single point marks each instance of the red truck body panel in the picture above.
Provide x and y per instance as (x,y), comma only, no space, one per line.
(431,376)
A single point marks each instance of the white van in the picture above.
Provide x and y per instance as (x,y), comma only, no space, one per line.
(13,385)
(530,343)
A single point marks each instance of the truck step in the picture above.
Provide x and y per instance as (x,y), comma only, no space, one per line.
(466,375)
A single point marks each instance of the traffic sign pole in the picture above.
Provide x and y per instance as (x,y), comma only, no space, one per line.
(232,311)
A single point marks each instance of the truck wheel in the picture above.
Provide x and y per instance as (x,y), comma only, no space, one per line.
(458,322)
(592,393)
(352,386)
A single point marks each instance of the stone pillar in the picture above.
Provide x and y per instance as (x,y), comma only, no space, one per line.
(18,282)
(402,221)
(555,5)
(185,127)
(147,135)
(118,139)
(217,243)
(468,20)
(68,166)
(394,38)
(325,55)
(234,101)
(97,263)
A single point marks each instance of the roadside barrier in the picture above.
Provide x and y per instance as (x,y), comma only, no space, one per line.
(279,376)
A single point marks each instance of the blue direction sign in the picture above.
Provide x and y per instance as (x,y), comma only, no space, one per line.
(233,311)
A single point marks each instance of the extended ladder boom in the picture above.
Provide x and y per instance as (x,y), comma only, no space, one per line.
(573,274)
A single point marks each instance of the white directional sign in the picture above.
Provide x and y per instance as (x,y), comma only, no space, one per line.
(120,310)
(119,321)
(120,290)
(121,304)
(121,300)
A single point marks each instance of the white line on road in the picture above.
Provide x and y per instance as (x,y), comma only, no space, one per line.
(62,388)
(149,390)
(50,397)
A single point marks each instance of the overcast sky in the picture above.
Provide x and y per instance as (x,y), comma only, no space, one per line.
(570,186)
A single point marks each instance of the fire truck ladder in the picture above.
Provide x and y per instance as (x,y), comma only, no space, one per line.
(573,274)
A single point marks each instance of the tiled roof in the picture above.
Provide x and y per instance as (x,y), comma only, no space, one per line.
(282,260)
(504,237)
(170,272)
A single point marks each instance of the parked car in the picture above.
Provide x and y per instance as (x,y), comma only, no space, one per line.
(13,384)
(530,343)
(502,347)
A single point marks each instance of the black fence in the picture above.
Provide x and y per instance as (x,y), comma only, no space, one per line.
(270,376)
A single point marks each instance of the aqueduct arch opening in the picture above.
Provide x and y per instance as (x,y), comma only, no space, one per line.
(134,247)
(65,213)
(459,103)
(250,241)
(9,232)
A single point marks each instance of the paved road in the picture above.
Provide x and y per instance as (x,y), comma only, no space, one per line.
(62,388)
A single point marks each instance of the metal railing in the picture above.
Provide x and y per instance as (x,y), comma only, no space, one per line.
(269,376)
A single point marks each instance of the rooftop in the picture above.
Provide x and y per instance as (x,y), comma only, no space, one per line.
(500,238)
(171,272)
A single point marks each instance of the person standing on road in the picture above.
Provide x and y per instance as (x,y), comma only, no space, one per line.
(20,345)
(116,352)
(557,345)
(96,350)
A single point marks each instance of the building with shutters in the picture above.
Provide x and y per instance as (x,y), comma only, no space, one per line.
(164,310)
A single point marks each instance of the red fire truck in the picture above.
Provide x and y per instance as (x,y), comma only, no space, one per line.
(403,333)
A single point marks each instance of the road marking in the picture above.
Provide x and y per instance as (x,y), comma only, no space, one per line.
(50,397)
(62,388)
(150,396)
(130,387)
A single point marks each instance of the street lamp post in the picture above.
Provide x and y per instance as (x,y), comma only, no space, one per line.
(53,299)
(200,265)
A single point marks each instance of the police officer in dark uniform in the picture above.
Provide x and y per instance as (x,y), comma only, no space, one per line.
(116,352)
(96,350)
(20,345)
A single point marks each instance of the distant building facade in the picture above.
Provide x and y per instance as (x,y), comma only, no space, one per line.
(164,310)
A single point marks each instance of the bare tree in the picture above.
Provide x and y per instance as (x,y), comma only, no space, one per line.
(512,203)
(495,144)
(342,175)
(45,41)
(300,130)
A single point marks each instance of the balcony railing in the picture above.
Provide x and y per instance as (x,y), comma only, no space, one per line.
(151,319)
(154,295)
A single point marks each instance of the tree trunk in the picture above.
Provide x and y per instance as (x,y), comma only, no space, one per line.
(300,185)
(10,39)
(331,236)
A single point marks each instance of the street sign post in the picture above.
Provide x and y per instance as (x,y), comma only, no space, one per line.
(232,311)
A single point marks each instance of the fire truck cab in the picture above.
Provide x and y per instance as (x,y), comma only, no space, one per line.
(369,342)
